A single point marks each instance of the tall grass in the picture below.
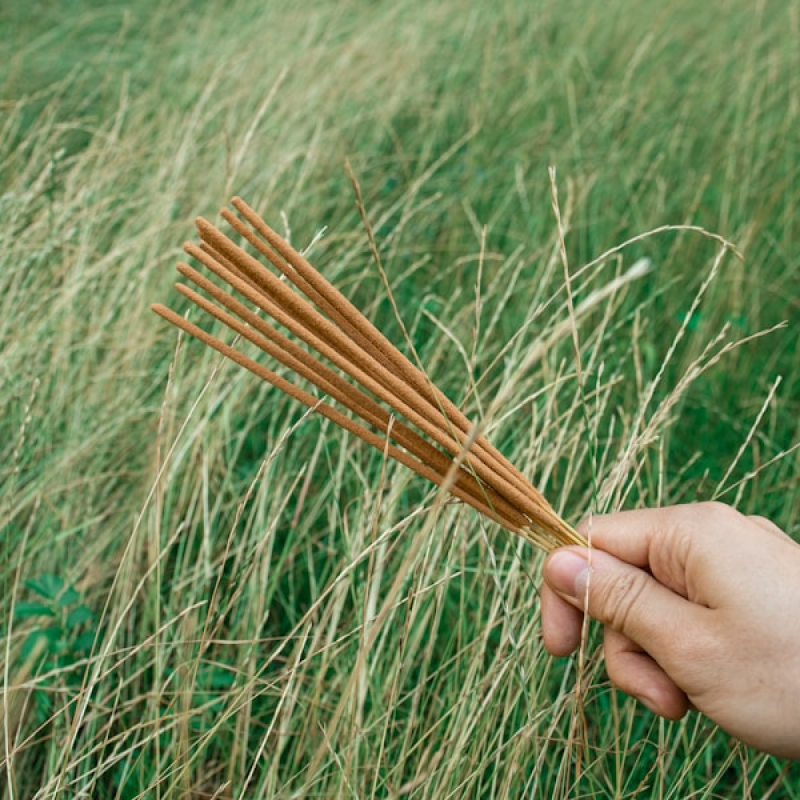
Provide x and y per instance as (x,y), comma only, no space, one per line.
(268,608)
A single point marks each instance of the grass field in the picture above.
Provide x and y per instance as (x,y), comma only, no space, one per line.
(207,593)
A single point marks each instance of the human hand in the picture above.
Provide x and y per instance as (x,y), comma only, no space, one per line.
(701,608)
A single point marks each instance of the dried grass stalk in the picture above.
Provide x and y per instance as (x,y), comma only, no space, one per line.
(394,405)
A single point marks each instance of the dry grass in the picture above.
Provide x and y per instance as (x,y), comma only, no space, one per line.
(277,609)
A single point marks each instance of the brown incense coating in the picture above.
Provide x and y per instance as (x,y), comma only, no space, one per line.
(351,322)
(305,322)
(333,351)
(470,467)
(377,343)
(334,416)
(298,360)
(435,405)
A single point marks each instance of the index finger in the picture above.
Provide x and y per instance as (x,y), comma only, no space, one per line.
(660,540)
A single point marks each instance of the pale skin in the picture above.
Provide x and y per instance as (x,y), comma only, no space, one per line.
(701,609)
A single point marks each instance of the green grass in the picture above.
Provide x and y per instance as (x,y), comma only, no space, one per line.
(268,615)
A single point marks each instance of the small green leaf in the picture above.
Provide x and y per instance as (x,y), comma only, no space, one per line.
(85,641)
(68,598)
(222,679)
(48,586)
(28,610)
(77,616)
(737,320)
(215,678)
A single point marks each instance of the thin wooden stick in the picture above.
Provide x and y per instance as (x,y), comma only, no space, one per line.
(307,324)
(327,411)
(331,327)
(303,320)
(306,366)
(361,329)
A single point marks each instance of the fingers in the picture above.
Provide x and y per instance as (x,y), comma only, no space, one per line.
(634,672)
(629,668)
(561,623)
(623,597)
(656,538)
(698,602)
(668,542)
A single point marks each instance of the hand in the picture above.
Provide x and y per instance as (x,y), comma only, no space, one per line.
(701,607)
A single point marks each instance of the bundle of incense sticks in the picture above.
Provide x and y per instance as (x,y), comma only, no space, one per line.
(395,407)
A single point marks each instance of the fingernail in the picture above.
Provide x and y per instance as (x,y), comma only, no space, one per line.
(567,573)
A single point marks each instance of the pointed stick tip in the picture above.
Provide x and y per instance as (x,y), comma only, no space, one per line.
(161,310)
(203,225)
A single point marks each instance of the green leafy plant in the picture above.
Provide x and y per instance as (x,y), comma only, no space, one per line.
(65,625)
(63,632)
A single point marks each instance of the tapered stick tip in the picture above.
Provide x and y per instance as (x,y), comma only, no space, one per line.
(191,248)
(203,225)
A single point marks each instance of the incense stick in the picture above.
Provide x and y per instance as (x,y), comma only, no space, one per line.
(397,409)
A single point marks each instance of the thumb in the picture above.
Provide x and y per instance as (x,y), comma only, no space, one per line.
(624,597)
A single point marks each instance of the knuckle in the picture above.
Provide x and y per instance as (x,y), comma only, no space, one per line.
(717,511)
(767,525)
(621,596)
